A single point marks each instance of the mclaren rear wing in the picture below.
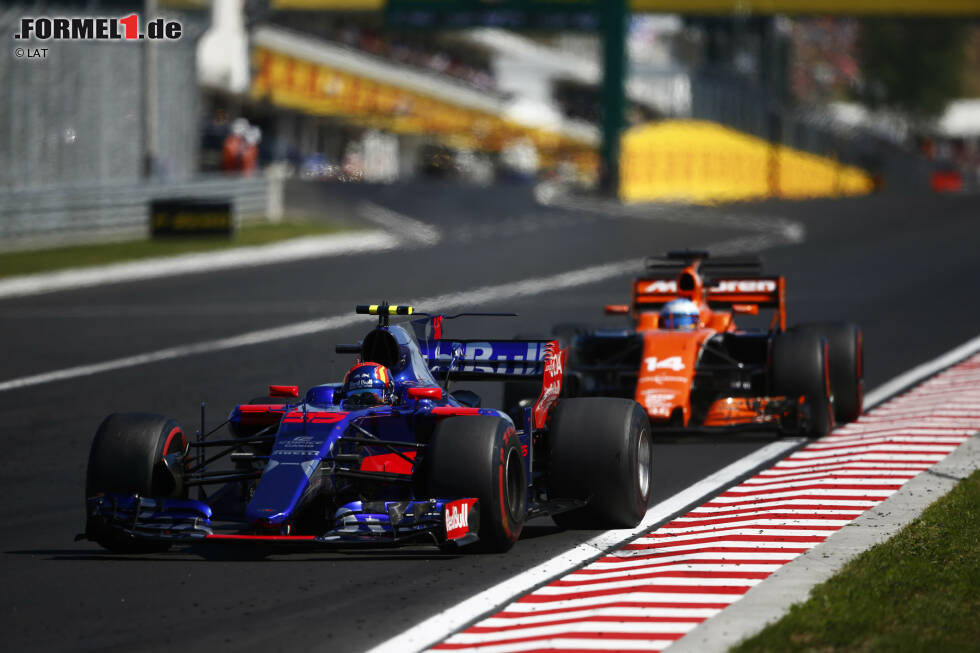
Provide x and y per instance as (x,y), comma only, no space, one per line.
(728,283)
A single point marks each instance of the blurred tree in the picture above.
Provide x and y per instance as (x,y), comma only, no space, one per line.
(914,65)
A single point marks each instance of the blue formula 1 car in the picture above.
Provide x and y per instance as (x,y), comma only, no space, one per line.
(389,457)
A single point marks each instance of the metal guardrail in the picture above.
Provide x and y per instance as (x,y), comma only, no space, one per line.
(76,213)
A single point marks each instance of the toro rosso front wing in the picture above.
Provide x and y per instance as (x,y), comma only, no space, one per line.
(359,523)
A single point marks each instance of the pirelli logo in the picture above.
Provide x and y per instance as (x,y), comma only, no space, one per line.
(191,217)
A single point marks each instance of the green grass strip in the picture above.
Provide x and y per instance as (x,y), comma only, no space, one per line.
(918,591)
(29,262)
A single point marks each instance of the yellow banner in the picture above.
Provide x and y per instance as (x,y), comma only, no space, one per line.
(321,90)
(699,161)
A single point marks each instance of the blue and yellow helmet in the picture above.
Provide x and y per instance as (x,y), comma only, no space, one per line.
(679,314)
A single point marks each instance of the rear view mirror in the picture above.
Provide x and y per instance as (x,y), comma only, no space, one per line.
(425,393)
(746,309)
(283,391)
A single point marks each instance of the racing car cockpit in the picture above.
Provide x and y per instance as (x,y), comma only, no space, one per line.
(390,346)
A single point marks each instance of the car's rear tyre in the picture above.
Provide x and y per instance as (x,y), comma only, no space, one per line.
(846,358)
(127,457)
(602,452)
(480,456)
(800,366)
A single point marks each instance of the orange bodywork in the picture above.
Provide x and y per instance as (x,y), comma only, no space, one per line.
(732,411)
(670,358)
(663,386)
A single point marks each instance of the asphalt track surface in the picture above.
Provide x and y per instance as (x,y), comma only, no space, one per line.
(904,267)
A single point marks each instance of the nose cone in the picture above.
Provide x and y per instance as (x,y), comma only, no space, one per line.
(278,494)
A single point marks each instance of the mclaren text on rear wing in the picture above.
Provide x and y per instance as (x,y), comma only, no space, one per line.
(765,292)
(742,294)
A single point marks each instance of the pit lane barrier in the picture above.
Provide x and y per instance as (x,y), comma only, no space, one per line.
(48,216)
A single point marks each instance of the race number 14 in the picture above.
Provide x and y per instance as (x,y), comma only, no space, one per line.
(673,363)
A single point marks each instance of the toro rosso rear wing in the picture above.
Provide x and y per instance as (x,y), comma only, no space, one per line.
(500,360)
(492,360)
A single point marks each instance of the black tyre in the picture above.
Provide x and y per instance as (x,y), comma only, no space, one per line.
(799,366)
(846,358)
(602,452)
(127,457)
(480,457)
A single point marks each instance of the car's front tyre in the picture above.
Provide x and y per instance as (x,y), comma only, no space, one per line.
(480,456)
(128,457)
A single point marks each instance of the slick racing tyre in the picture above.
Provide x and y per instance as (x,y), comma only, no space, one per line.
(601,452)
(846,358)
(800,366)
(480,456)
(127,457)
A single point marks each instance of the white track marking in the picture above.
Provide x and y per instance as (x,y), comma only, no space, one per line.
(444,623)
(409,229)
(920,372)
(635,575)
(289,250)
(65,279)
(477,296)
(441,625)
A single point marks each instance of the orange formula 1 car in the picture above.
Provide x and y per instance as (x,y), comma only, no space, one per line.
(691,368)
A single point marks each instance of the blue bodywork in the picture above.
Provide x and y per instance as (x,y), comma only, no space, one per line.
(337,473)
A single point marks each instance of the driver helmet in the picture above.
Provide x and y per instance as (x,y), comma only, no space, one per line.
(368,384)
(681,314)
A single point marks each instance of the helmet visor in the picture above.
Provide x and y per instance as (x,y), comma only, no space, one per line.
(679,321)
(366,396)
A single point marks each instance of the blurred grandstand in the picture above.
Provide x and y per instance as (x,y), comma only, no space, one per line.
(261,89)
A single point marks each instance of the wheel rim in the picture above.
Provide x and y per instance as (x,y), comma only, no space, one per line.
(644,454)
(512,485)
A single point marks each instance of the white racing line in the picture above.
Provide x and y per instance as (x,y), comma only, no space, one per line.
(295,249)
(401,230)
(409,229)
(440,626)
(477,296)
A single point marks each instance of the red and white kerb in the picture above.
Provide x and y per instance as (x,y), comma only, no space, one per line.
(657,588)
